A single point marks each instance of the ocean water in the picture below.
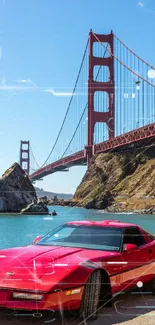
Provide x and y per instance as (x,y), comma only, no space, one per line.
(18,230)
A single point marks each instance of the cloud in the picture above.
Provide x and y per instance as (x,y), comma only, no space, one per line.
(3,81)
(21,87)
(21,81)
(147,6)
(59,93)
(25,81)
(29,85)
(141,4)
(15,88)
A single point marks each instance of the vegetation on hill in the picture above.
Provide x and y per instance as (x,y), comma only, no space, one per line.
(119,182)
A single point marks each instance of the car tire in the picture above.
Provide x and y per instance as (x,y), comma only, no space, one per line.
(153,287)
(91,296)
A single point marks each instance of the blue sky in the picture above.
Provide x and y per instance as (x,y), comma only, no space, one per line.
(41,46)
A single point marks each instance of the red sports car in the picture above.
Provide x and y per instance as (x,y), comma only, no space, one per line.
(77,266)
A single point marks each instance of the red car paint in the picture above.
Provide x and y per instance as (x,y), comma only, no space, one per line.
(53,270)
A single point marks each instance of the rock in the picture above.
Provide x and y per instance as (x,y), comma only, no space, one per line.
(35,208)
(90,205)
(119,182)
(2,204)
(61,202)
(50,202)
(16,190)
(42,199)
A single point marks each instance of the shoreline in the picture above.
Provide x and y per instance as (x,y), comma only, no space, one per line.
(113,209)
(130,205)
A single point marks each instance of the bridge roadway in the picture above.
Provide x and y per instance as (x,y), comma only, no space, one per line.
(137,138)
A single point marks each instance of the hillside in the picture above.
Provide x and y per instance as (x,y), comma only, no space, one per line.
(119,182)
(50,195)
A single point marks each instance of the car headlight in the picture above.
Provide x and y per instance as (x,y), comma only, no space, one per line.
(30,296)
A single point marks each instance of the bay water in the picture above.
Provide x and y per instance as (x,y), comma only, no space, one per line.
(20,230)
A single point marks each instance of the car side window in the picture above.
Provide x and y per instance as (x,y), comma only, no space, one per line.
(150,236)
(133,236)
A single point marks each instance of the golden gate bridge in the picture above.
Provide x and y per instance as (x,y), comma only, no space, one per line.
(112,108)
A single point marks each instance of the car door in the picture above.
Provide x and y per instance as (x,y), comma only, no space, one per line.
(138,261)
(150,238)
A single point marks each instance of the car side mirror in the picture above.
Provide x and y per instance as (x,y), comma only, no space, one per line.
(130,247)
(37,239)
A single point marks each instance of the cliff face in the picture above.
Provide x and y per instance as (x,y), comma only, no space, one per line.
(16,190)
(118,182)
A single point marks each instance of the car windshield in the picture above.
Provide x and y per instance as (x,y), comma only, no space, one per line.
(89,237)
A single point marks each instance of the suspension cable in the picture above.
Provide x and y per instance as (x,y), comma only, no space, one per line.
(133,52)
(34,169)
(34,157)
(86,106)
(75,130)
(68,105)
(136,74)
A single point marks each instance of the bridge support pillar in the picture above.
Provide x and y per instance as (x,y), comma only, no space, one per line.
(89,153)
(25,156)
(93,86)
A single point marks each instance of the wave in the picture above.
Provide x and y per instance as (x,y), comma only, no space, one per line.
(48,218)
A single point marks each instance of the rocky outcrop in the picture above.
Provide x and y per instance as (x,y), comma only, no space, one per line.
(103,174)
(119,182)
(61,202)
(43,199)
(16,190)
(35,208)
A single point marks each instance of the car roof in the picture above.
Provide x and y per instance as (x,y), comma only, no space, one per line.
(102,223)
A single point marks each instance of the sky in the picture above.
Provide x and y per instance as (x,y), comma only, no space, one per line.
(41,46)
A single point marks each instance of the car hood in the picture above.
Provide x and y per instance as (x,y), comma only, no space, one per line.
(34,267)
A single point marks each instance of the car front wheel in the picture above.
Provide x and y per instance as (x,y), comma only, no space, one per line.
(153,287)
(91,296)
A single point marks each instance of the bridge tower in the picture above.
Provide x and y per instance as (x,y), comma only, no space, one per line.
(93,86)
(25,156)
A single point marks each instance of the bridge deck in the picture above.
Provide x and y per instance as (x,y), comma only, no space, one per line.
(138,137)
